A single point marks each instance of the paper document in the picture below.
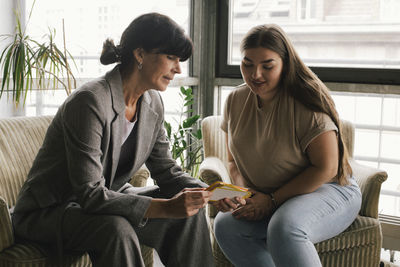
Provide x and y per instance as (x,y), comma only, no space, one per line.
(223,190)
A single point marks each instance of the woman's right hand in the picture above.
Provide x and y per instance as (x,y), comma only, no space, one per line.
(187,203)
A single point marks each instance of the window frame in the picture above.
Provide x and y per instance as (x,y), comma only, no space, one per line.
(385,76)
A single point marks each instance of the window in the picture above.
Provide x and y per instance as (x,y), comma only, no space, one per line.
(307,10)
(377,139)
(342,41)
(87,25)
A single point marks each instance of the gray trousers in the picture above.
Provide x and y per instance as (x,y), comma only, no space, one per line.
(112,241)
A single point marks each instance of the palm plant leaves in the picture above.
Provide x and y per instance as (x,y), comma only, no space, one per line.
(51,58)
(13,59)
(24,59)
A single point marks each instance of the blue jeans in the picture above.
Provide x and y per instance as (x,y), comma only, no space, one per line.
(288,237)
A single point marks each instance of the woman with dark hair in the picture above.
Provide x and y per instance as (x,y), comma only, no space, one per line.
(77,192)
(284,142)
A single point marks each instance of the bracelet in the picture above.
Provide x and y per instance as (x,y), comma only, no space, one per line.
(143,222)
(271,195)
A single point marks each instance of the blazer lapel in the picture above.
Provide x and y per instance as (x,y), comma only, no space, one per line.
(146,126)
(118,103)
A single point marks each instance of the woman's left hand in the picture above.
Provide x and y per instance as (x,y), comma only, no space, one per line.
(258,207)
(227,204)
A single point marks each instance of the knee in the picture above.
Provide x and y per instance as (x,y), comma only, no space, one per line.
(281,229)
(223,225)
(117,229)
(227,227)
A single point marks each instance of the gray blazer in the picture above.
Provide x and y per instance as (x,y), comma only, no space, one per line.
(81,151)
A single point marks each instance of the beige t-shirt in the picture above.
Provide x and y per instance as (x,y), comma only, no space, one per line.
(269,143)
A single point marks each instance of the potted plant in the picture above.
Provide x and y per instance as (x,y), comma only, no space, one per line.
(186,141)
(23,59)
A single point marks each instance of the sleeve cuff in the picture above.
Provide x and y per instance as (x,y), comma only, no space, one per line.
(139,209)
(328,126)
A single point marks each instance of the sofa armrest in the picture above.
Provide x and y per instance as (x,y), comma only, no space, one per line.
(6,233)
(212,169)
(139,179)
(370,181)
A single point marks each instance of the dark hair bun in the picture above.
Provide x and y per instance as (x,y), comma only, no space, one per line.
(110,53)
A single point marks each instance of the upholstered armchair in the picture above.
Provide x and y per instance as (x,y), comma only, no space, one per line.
(358,246)
(20,139)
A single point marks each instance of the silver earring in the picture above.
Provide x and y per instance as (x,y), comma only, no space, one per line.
(139,66)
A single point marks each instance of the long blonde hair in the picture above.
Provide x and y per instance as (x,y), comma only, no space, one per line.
(300,82)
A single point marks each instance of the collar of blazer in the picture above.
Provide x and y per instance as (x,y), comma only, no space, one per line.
(113,77)
(146,122)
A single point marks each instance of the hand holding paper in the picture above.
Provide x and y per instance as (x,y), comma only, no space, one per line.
(222,190)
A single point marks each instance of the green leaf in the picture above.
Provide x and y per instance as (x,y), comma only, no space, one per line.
(192,120)
(189,103)
(17,73)
(5,51)
(6,70)
(179,151)
(22,72)
(198,134)
(168,128)
(186,124)
(188,98)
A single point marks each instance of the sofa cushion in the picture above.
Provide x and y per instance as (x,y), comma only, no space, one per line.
(20,140)
(362,232)
(357,246)
(31,255)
